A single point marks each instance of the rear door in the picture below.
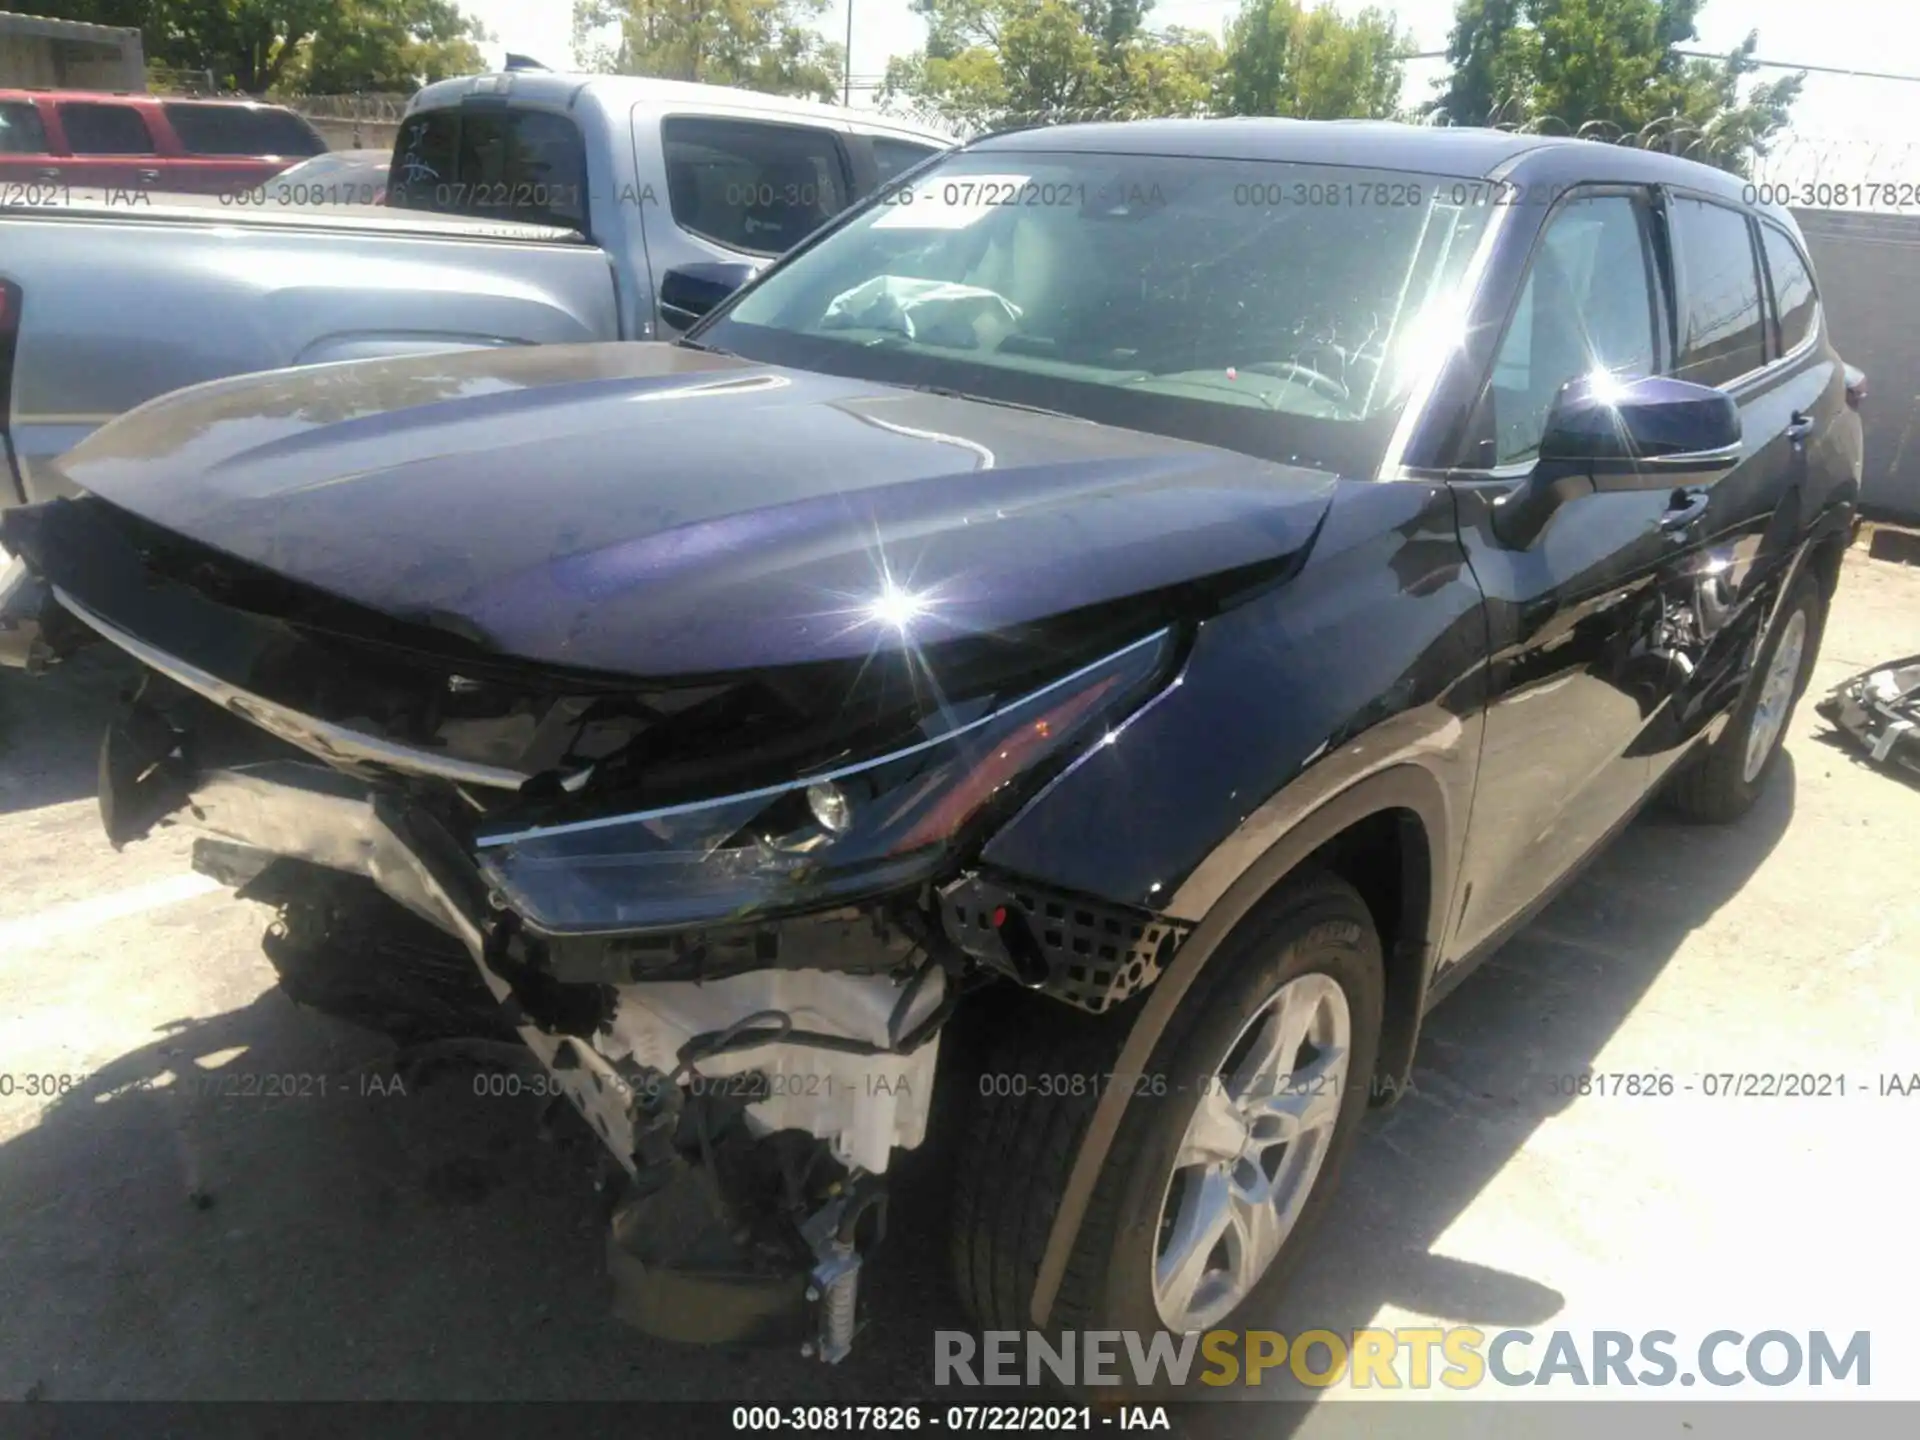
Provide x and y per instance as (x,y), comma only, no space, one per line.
(109,146)
(27,162)
(1727,334)
(227,147)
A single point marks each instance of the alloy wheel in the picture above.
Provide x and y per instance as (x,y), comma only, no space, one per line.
(1251,1152)
(1776,694)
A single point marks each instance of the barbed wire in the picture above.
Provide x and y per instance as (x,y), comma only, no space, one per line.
(375,107)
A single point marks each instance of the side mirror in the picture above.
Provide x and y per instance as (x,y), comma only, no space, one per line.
(689,291)
(1651,426)
(1605,433)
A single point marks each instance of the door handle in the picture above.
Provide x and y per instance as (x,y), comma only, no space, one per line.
(147,177)
(1800,426)
(1686,509)
(50,173)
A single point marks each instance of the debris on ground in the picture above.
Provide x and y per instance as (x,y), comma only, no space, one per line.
(1879,710)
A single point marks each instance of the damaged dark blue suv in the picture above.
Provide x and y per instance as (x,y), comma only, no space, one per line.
(1202,583)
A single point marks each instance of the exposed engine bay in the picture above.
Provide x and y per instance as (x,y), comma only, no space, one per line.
(728,916)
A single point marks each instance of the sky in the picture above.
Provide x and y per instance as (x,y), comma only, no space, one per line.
(1873,124)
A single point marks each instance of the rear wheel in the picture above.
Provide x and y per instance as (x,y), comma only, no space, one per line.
(1212,1183)
(1722,784)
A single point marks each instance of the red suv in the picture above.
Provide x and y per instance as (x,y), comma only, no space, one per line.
(81,139)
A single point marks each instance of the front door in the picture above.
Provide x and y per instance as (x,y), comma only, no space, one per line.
(1580,629)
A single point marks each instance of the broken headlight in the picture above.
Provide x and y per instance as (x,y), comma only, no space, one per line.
(853,831)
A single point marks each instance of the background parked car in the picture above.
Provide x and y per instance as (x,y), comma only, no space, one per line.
(340,177)
(83,139)
(544,208)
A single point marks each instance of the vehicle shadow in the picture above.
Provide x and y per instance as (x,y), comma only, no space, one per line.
(1542,1007)
(65,711)
(259,1205)
(1832,737)
(349,1237)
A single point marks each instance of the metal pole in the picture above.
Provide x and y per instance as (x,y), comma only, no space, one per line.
(846,93)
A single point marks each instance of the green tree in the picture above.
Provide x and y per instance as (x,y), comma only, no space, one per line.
(1172,72)
(387,46)
(1283,58)
(766,45)
(1608,67)
(996,62)
(260,45)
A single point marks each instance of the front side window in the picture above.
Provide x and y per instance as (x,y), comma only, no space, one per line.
(1585,306)
(1277,308)
(21,132)
(1722,333)
(494,162)
(753,187)
(105,130)
(1794,300)
(206,129)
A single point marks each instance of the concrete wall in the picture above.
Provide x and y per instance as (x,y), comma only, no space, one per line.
(1869,272)
(59,55)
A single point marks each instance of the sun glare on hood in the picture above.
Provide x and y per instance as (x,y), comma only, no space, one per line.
(896,608)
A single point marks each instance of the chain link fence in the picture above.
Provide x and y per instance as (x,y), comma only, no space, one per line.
(364,121)
(352,122)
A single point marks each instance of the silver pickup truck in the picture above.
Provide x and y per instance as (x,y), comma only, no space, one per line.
(520,208)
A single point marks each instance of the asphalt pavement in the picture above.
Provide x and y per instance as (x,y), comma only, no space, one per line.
(345,1238)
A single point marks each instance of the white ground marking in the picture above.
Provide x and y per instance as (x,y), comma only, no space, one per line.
(79,915)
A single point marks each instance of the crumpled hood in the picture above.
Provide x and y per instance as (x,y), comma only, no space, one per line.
(651,509)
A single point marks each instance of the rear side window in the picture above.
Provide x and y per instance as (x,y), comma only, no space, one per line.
(242,130)
(105,130)
(752,187)
(1793,296)
(525,165)
(890,157)
(1722,330)
(21,132)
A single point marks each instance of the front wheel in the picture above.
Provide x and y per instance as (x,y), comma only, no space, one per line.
(1729,774)
(1213,1184)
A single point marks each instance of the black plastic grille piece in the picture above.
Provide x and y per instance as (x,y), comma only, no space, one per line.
(1090,953)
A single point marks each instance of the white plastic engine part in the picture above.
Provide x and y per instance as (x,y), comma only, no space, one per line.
(862,1105)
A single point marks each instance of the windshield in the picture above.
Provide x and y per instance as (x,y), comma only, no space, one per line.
(1277,308)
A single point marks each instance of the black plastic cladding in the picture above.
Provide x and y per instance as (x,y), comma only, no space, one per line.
(1089,953)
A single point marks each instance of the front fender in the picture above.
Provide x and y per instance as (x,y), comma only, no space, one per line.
(1354,690)
(1407,786)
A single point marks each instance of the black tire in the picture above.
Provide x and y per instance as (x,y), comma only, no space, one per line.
(1713,788)
(1019,1148)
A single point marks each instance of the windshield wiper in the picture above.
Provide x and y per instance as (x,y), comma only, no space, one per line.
(949,393)
(705,349)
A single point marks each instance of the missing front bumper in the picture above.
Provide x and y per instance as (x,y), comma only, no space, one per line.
(606,1042)
(1879,710)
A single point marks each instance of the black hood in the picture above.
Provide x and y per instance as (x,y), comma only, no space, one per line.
(651,509)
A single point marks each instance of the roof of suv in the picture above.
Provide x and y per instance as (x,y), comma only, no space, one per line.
(1443,151)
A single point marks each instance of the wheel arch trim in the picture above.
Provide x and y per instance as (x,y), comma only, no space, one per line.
(1405,786)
